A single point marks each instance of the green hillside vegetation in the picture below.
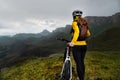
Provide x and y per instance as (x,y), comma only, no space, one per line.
(108,40)
(25,56)
(99,66)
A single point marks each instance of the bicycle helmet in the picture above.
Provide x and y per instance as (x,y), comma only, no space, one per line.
(77,13)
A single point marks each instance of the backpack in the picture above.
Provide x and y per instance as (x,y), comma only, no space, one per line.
(83,27)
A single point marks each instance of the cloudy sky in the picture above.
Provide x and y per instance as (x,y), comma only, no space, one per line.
(33,16)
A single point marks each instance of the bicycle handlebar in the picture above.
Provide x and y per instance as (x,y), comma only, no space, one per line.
(62,39)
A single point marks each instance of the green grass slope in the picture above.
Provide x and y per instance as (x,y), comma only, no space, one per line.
(99,66)
(108,40)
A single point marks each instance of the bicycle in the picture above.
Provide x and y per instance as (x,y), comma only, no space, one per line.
(66,73)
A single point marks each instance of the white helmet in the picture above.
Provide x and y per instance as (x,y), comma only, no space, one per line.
(77,13)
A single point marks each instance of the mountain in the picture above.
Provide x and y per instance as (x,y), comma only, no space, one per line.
(21,46)
(9,40)
(45,32)
(6,40)
(104,20)
(100,24)
(108,40)
(29,35)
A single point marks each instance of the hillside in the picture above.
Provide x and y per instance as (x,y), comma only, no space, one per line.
(22,46)
(108,40)
(100,24)
(99,66)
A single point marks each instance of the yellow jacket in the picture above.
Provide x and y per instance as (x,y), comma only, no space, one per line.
(76,34)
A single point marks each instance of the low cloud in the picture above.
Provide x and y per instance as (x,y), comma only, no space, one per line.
(33,16)
(30,26)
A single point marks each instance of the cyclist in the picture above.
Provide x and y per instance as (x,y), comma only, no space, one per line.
(78,42)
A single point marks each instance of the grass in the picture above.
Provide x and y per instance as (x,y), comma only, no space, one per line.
(103,65)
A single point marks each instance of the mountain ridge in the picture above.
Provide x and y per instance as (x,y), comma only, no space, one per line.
(14,49)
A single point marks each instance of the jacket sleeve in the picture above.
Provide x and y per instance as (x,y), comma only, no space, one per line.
(88,33)
(76,31)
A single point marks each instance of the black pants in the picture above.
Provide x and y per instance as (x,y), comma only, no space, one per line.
(79,55)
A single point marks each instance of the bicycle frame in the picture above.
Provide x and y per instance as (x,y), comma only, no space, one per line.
(66,73)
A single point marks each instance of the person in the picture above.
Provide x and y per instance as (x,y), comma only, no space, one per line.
(78,42)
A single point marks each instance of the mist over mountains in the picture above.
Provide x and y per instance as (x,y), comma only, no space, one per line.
(104,33)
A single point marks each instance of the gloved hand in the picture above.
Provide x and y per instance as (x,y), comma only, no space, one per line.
(71,44)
